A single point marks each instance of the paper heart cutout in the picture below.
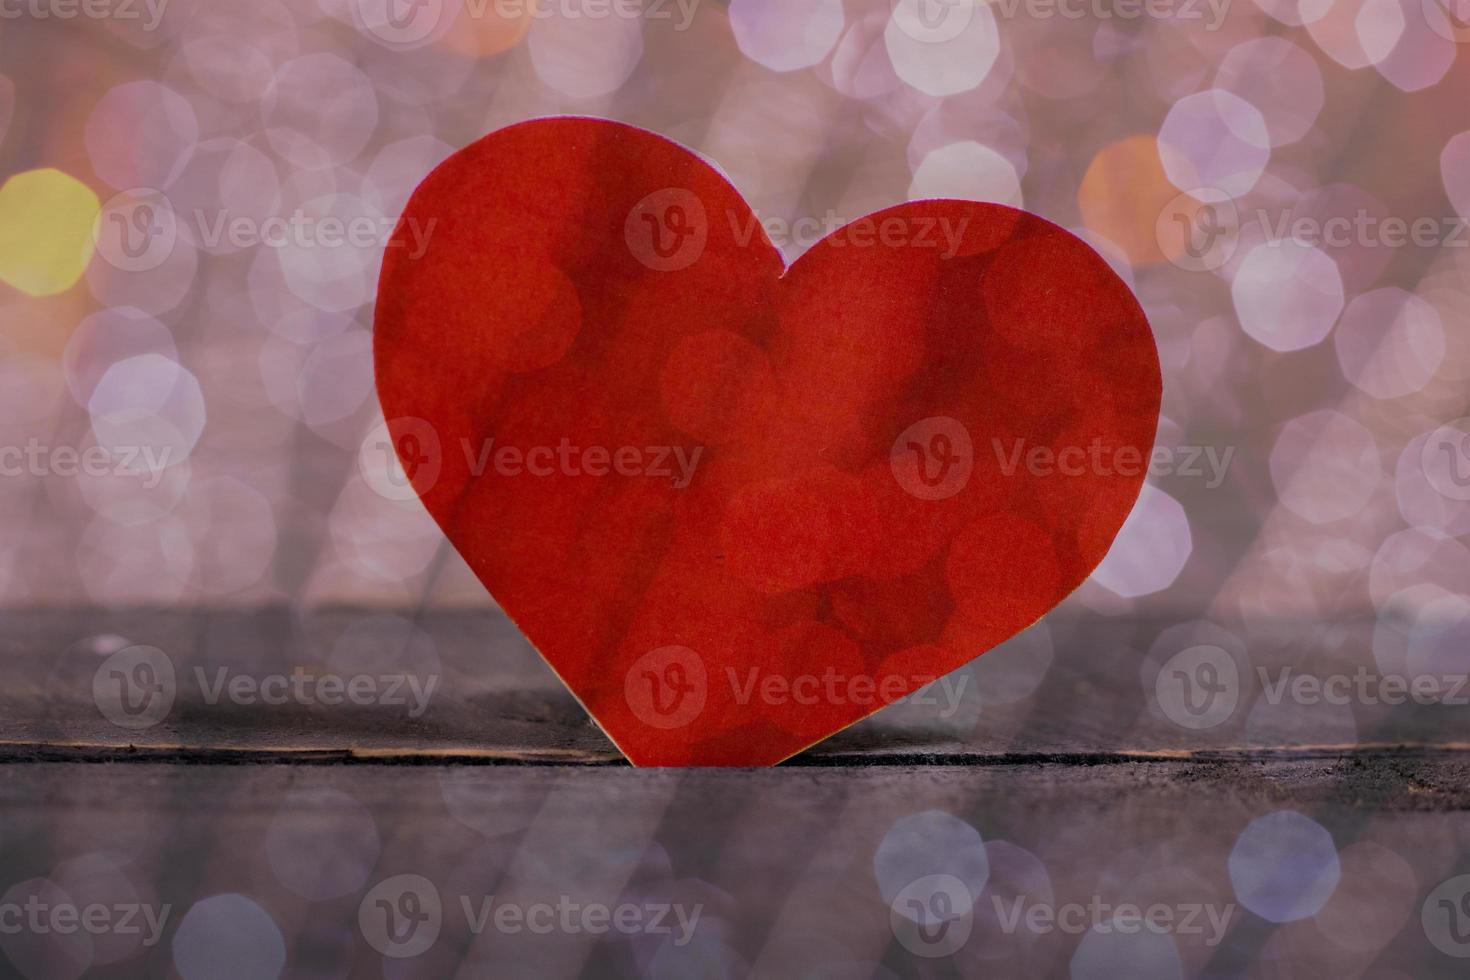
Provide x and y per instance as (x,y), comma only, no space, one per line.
(739,506)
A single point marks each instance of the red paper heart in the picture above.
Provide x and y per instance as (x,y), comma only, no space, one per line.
(907,447)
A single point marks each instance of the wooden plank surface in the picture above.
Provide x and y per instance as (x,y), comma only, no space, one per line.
(1084,687)
(276,835)
(781,863)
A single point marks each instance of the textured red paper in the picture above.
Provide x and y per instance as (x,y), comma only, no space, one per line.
(588,285)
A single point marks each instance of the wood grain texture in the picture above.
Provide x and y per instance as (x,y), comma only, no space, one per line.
(780,861)
(502,787)
(494,698)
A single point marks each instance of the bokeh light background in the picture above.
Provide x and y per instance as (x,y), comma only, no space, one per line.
(153,293)
(149,297)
